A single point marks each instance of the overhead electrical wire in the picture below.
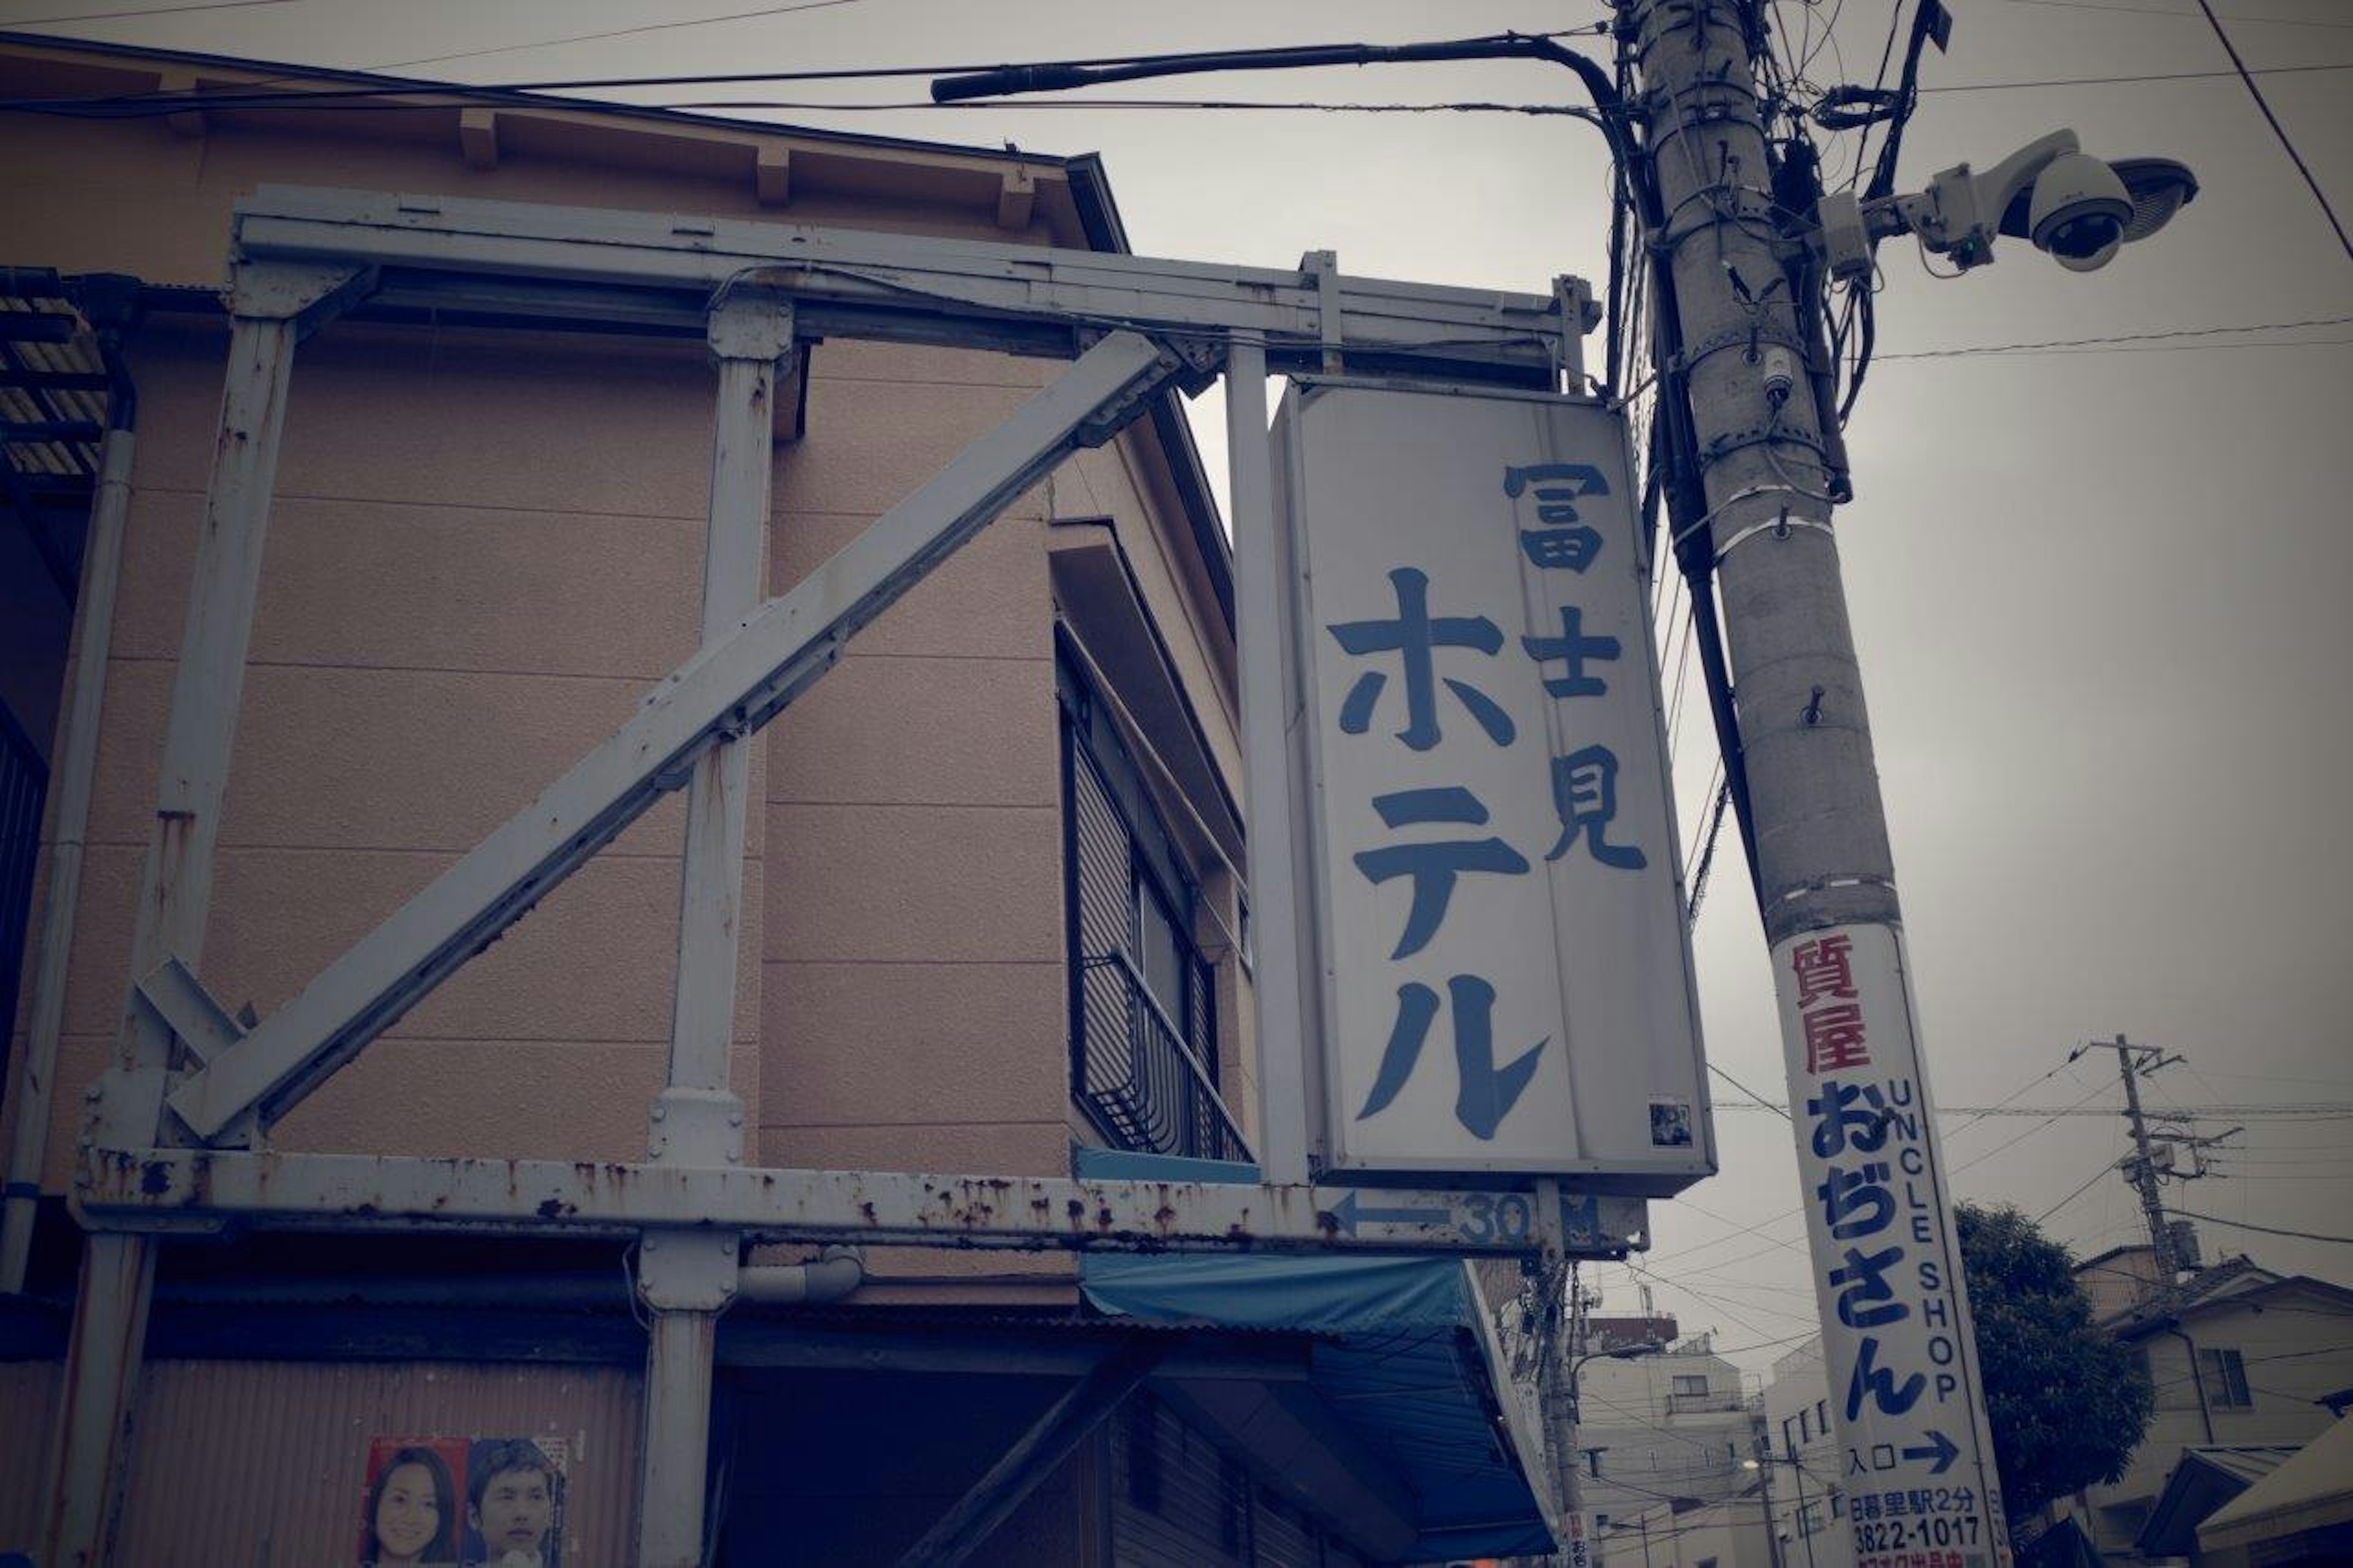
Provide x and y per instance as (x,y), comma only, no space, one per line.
(143,11)
(2263,103)
(2184,16)
(2265,1229)
(616,33)
(149,104)
(2105,1166)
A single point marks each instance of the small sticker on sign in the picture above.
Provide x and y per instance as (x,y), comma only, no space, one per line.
(1671,1124)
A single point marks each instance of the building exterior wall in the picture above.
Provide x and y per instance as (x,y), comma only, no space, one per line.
(485,547)
(2117,1280)
(265,1463)
(1809,1506)
(1728,1534)
(1656,1443)
(2294,1345)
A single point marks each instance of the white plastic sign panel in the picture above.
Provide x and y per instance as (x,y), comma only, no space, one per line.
(1497,903)
(1916,1456)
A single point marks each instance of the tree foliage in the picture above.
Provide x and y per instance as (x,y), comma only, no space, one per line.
(2068,1403)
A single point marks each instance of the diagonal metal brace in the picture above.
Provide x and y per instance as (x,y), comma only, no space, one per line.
(732,685)
(177,996)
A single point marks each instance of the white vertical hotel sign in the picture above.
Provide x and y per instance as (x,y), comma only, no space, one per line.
(1915,1454)
(1497,902)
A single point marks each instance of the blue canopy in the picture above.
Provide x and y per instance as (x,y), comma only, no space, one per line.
(1406,1364)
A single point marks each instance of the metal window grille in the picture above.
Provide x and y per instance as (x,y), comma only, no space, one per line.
(1142,1045)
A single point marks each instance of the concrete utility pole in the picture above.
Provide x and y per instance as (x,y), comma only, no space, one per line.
(1734,365)
(2132,1063)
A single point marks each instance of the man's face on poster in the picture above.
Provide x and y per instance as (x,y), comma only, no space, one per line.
(514,1513)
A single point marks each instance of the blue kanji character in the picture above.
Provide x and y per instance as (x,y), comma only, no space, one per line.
(1573,647)
(1875,1383)
(1413,636)
(1484,1093)
(1562,484)
(1434,866)
(1838,1122)
(1866,1301)
(1856,1203)
(1585,797)
(1552,548)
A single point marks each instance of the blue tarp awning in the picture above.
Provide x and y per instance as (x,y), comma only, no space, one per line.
(1407,1361)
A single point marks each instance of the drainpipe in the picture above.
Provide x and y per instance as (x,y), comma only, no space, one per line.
(109,301)
(834,1273)
(2197,1378)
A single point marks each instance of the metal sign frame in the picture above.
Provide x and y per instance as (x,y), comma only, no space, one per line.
(175,1142)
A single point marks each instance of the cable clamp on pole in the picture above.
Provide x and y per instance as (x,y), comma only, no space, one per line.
(1778,527)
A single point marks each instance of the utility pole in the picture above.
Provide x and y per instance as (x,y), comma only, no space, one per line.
(2134,1063)
(1752,462)
(2147,1169)
(1749,486)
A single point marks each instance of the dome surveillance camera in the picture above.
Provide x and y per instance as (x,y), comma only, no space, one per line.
(2078,212)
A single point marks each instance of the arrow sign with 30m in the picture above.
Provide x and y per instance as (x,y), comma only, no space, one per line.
(1498,1221)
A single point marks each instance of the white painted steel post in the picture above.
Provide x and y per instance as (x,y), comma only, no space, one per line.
(1898,1348)
(1270,702)
(93,633)
(698,1119)
(272,306)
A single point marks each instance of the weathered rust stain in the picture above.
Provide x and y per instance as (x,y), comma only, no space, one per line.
(155,1178)
(867,1210)
(1077,1211)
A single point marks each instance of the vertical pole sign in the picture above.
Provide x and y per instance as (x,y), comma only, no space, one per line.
(1915,1463)
(1505,983)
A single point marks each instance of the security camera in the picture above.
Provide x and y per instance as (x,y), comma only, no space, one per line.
(2076,207)
(2077,212)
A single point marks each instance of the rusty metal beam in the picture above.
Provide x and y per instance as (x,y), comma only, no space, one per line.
(166,1188)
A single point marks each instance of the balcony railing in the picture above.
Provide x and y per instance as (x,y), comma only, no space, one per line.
(1137,1076)
(1694,1404)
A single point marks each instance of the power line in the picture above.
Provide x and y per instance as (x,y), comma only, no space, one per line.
(2079,1192)
(2184,16)
(136,105)
(1780,1110)
(2267,1230)
(2046,1122)
(145,11)
(2120,337)
(2112,80)
(2278,130)
(616,33)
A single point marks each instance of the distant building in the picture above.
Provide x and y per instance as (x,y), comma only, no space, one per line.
(1809,1507)
(1728,1534)
(1671,1430)
(2243,1364)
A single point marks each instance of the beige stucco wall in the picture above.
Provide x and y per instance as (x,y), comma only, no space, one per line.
(2292,1344)
(485,548)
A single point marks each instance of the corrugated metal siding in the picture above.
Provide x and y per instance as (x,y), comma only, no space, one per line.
(263,1464)
(1173,1514)
(29,1396)
(1283,1538)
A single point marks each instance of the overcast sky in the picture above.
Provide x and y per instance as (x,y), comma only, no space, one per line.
(2096,593)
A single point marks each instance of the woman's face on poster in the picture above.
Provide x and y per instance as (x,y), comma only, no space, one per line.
(408,1514)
